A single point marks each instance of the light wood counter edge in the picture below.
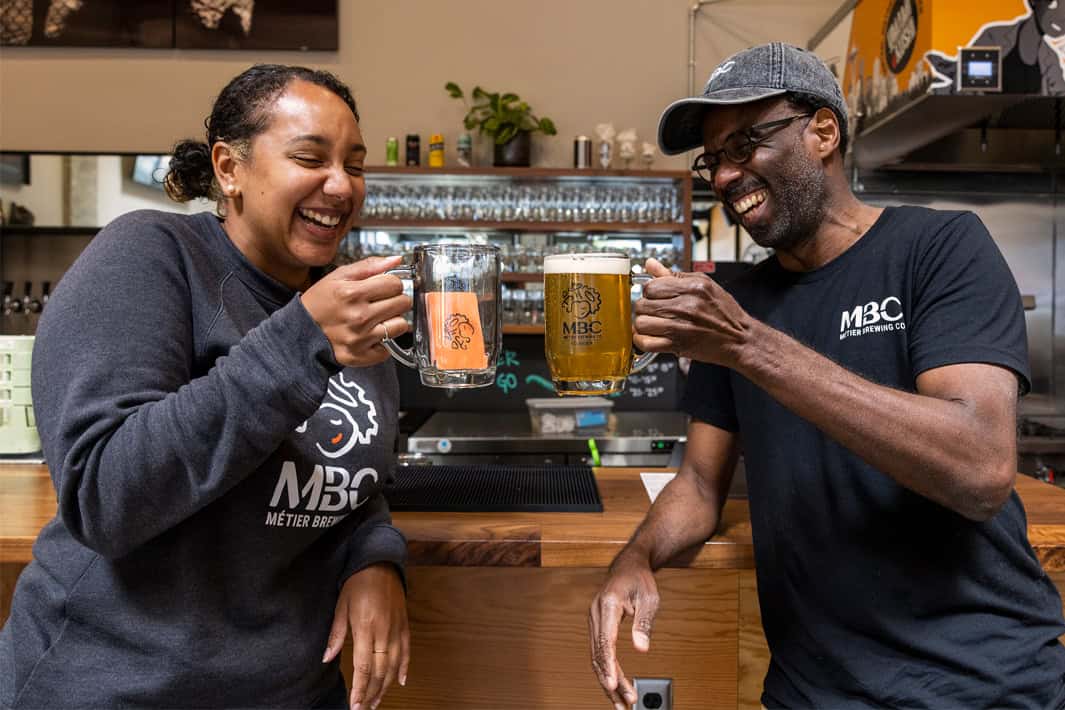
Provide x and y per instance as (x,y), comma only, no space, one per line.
(550,540)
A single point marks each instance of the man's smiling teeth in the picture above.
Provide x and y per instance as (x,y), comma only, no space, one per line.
(324,220)
(751,200)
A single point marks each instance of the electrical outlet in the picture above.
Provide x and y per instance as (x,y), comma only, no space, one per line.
(653,694)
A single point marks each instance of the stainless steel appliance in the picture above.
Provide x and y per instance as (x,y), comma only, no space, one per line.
(634,439)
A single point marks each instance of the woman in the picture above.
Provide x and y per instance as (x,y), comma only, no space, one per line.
(218,418)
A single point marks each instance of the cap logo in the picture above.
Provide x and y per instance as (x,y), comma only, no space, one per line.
(723,69)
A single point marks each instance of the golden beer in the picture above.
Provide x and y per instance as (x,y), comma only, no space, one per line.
(588,318)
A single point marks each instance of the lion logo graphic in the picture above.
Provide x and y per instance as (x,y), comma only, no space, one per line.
(349,418)
(459,331)
(581,301)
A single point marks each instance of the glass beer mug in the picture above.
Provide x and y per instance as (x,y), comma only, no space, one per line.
(457,327)
(588,318)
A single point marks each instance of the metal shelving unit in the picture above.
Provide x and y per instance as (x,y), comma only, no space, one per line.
(529,213)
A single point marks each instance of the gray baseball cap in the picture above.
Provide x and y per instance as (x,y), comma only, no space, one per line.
(753,74)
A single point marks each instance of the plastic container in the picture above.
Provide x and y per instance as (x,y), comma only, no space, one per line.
(556,415)
(18,430)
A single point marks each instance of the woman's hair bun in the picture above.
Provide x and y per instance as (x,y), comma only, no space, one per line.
(191,174)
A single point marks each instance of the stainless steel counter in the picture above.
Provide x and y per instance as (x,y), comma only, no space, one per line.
(633,439)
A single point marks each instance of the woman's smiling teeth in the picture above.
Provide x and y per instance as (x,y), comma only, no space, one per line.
(749,201)
(320,218)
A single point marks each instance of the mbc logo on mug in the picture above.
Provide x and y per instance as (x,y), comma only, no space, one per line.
(588,316)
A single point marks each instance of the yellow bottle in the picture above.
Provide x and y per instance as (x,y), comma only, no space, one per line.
(436,151)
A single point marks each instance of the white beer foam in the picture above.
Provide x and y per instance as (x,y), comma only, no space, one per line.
(586,264)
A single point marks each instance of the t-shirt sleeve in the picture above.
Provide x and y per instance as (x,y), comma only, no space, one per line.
(967,308)
(708,396)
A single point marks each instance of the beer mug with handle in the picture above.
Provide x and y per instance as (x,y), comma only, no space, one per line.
(588,317)
(457,326)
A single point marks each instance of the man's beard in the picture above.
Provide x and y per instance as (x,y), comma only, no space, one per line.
(799,194)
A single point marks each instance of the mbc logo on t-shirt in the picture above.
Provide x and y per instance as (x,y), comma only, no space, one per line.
(872,317)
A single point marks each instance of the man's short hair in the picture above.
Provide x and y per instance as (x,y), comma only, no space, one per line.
(808,103)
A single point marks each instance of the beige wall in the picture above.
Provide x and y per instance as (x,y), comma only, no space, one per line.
(580,62)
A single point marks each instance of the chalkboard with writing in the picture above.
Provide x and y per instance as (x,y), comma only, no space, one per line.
(522,373)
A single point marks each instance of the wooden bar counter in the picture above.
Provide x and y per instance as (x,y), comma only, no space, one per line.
(498,602)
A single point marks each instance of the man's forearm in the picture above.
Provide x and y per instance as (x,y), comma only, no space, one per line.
(944,449)
(684,514)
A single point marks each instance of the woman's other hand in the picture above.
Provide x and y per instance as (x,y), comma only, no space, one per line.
(357,306)
(372,603)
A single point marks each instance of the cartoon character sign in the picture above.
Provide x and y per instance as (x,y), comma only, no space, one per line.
(347,417)
(581,301)
(1033,50)
(910,47)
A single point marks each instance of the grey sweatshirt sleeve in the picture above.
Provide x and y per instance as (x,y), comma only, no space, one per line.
(376,540)
(134,441)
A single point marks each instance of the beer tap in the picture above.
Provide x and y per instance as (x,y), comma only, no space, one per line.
(46,293)
(11,305)
(29,303)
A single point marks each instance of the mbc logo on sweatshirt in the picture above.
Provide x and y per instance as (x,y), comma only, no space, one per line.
(345,419)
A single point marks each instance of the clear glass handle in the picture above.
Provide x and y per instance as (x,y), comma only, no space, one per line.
(644,359)
(404,355)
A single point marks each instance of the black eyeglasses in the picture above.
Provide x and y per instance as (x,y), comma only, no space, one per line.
(740,145)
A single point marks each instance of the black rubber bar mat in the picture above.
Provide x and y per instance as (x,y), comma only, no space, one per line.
(496,488)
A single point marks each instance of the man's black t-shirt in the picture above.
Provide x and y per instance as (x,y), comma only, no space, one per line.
(870,593)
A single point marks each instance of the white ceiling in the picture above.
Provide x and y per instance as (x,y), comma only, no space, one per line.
(728,26)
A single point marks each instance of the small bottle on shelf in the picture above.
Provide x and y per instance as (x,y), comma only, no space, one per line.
(414,149)
(436,151)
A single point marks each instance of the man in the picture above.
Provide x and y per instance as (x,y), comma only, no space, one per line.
(870,370)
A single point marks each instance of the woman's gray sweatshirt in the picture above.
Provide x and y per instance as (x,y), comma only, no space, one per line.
(218,478)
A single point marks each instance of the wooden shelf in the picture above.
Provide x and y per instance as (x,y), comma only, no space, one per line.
(641,227)
(517,277)
(681,179)
(514,329)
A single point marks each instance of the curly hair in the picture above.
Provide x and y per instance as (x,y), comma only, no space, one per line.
(241,112)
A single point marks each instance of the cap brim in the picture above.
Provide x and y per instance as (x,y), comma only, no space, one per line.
(681,127)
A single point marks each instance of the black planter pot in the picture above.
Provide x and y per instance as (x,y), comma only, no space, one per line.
(515,153)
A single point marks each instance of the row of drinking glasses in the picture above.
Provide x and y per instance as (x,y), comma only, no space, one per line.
(514,258)
(653,204)
(525,259)
(524,306)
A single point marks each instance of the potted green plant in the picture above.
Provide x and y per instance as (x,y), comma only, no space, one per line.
(507,119)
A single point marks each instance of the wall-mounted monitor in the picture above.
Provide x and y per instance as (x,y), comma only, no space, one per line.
(150,170)
(980,69)
(15,168)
